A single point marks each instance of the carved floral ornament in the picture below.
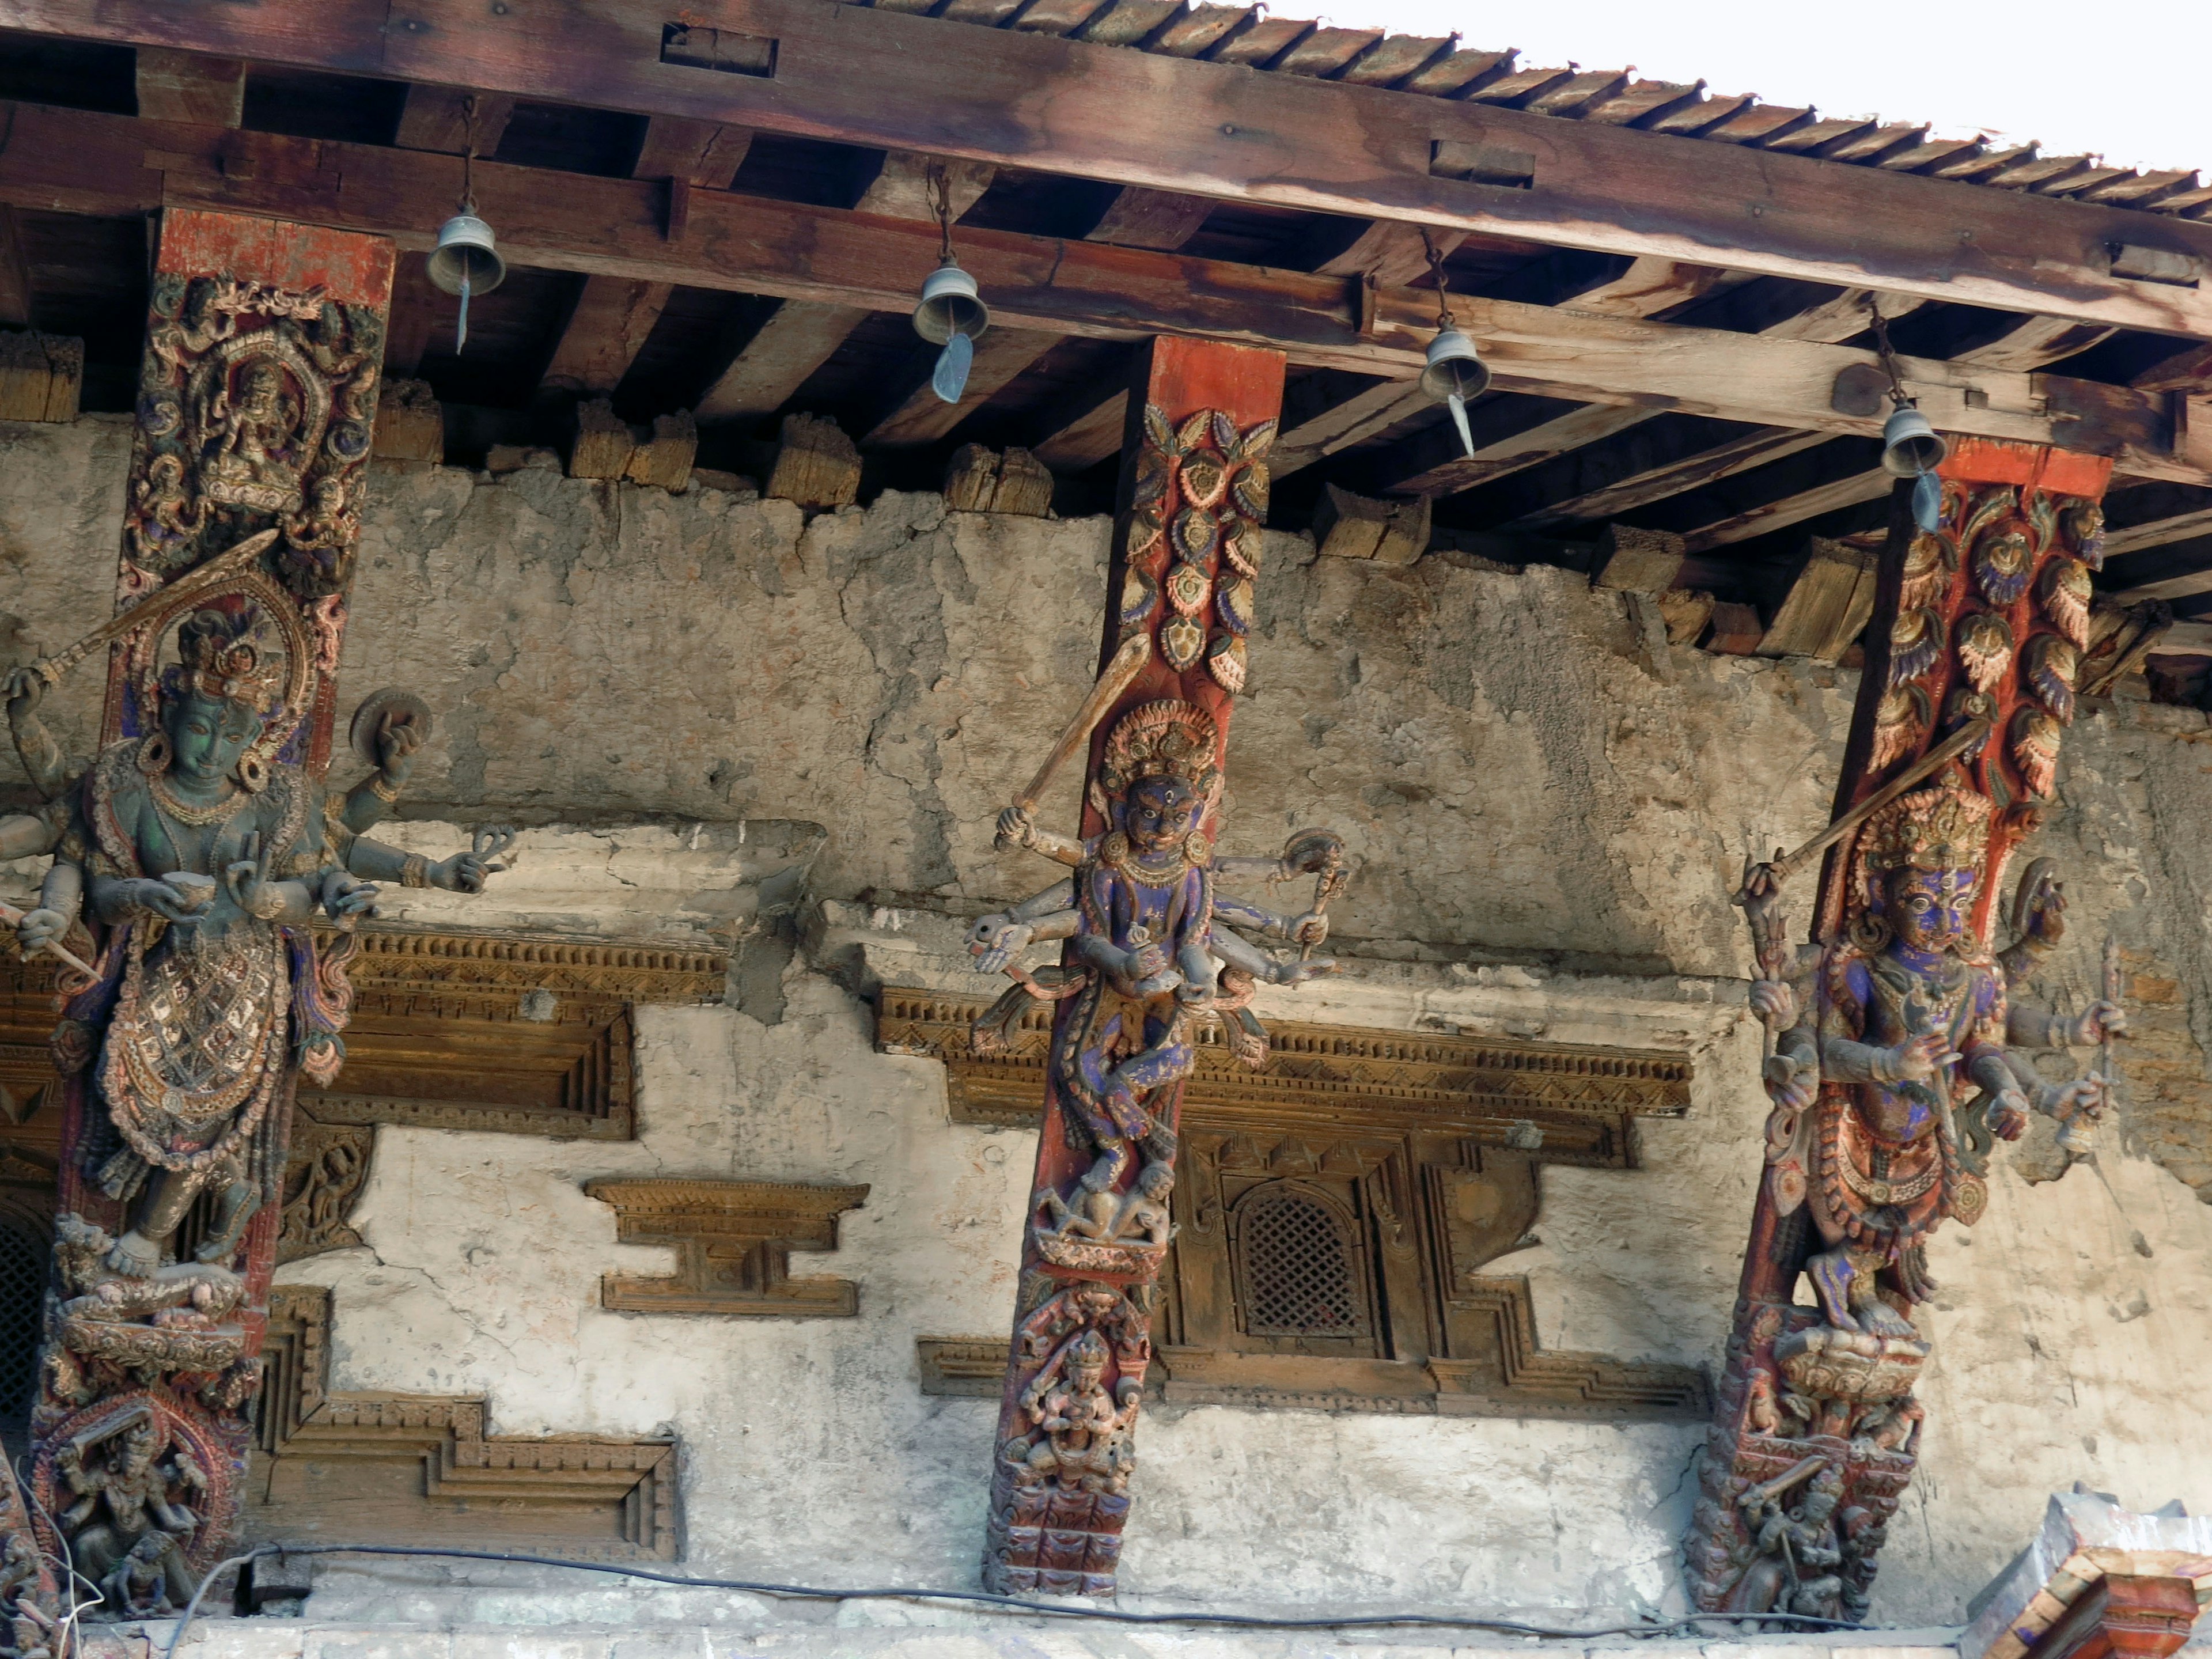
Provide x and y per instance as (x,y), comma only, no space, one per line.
(1200,490)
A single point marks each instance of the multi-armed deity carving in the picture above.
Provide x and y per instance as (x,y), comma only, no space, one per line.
(1152,959)
(1898,1041)
(194,860)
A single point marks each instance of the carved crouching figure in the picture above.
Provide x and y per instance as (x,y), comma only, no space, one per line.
(1799,1548)
(131,1515)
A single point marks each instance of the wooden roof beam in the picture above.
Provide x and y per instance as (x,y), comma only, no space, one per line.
(79,160)
(436,119)
(614,316)
(851,73)
(16,290)
(185,86)
(799,335)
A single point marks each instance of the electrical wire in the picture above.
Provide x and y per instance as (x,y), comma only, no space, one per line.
(1109,1615)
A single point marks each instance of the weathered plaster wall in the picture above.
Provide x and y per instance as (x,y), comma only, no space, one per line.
(1546,829)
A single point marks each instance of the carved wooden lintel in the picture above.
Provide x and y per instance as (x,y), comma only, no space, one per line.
(1583,1100)
(405,1468)
(733,1241)
(454,1029)
(2097,1583)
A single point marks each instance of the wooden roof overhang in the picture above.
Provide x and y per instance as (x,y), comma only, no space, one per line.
(722,209)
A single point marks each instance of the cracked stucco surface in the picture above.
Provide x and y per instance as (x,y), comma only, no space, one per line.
(1543,828)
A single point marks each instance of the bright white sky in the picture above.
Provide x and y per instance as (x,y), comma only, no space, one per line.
(2131,80)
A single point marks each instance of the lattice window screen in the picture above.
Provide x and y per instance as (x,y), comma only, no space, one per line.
(22,1301)
(1298,1269)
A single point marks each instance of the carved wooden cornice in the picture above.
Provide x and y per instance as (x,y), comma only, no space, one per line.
(377,1467)
(1519,1380)
(406,960)
(1582,1099)
(733,1241)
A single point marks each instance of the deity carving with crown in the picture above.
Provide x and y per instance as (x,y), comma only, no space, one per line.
(1153,949)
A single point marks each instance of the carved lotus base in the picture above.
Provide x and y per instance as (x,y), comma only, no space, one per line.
(1828,1364)
(1081,1255)
(170,1349)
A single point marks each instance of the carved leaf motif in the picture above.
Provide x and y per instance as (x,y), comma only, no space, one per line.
(1916,644)
(2001,558)
(2052,663)
(1985,510)
(1145,533)
(1259,439)
(1194,430)
(1928,563)
(1152,483)
(1243,547)
(1140,597)
(1204,481)
(2035,739)
(1181,641)
(1158,431)
(1189,589)
(2084,523)
(2066,592)
(1251,491)
(1234,604)
(1899,721)
(2042,517)
(1196,531)
(1984,649)
(1225,662)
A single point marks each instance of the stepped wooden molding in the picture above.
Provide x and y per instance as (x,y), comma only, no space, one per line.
(733,1241)
(961,1367)
(377,1467)
(1584,1100)
(396,958)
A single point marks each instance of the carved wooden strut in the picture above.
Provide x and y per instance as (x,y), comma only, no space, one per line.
(1148,959)
(1891,1067)
(190,859)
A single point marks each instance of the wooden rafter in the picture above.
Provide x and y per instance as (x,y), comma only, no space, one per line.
(850,74)
(2154,515)
(801,335)
(436,119)
(184,86)
(2178,570)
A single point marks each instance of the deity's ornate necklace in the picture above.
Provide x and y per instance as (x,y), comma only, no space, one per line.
(197,816)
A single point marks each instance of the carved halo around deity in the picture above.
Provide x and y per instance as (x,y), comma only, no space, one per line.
(225,385)
(95,1425)
(153,647)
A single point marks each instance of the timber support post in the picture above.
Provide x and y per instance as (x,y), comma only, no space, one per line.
(1144,963)
(1890,1077)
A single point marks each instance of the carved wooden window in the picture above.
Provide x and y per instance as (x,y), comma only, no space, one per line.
(1298,1266)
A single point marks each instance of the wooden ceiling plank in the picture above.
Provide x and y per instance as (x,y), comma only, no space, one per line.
(1077,441)
(849,74)
(2179,571)
(184,86)
(1649,287)
(436,119)
(2154,515)
(787,250)
(1322,415)
(415,305)
(921,416)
